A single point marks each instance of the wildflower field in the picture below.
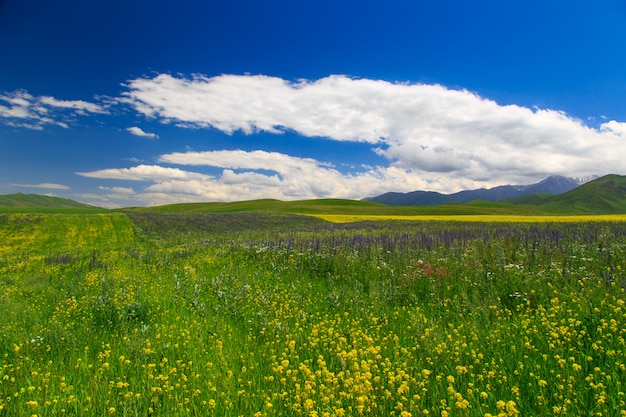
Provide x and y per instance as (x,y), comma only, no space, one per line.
(252,314)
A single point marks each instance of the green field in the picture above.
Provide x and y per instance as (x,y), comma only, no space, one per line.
(339,206)
(188,313)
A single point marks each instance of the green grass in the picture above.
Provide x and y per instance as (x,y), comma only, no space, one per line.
(271,314)
(606,195)
(337,206)
(269,205)
(32,202)
(39,233)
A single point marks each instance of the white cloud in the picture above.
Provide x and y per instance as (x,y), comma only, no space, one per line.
(250,175)
(111,197)
(45,185)
(230,177)
(137,131)
(80,106)
(144,173)
(239,159)
(615,127)
(429,131)
(259,103)
(23,110)
(259,174)
(125,191)
(281,176)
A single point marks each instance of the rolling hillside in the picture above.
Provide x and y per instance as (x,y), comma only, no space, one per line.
(338,206)
(605,195)
(27,202)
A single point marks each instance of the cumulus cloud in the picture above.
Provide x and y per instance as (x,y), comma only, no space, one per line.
(137,131)
(256,174)
(275,174)
(324,108)
(430,131)
(143,173)
(240,159)
(615,127)
(21,109)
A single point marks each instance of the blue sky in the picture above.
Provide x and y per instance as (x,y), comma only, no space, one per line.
(135,103)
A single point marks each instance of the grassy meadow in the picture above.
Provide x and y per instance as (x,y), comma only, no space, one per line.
(272,314)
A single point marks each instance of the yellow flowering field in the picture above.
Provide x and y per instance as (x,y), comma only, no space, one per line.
(277,315)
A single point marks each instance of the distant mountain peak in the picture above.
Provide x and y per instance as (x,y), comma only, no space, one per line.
(603,195)
(584,180)
(554,184)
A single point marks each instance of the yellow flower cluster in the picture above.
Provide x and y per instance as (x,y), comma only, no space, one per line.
(513,326)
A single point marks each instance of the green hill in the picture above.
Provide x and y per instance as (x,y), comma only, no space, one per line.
(38,202)
(270,205)
(337,206)
(606,195)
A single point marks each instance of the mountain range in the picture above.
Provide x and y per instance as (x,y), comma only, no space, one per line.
(605,195)
(553,185)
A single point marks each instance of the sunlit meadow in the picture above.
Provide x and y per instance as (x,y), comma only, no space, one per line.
(277,315)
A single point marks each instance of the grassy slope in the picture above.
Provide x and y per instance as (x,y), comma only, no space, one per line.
(338,206)
(41,203)
(43,233)
(364,317)
(606,195)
